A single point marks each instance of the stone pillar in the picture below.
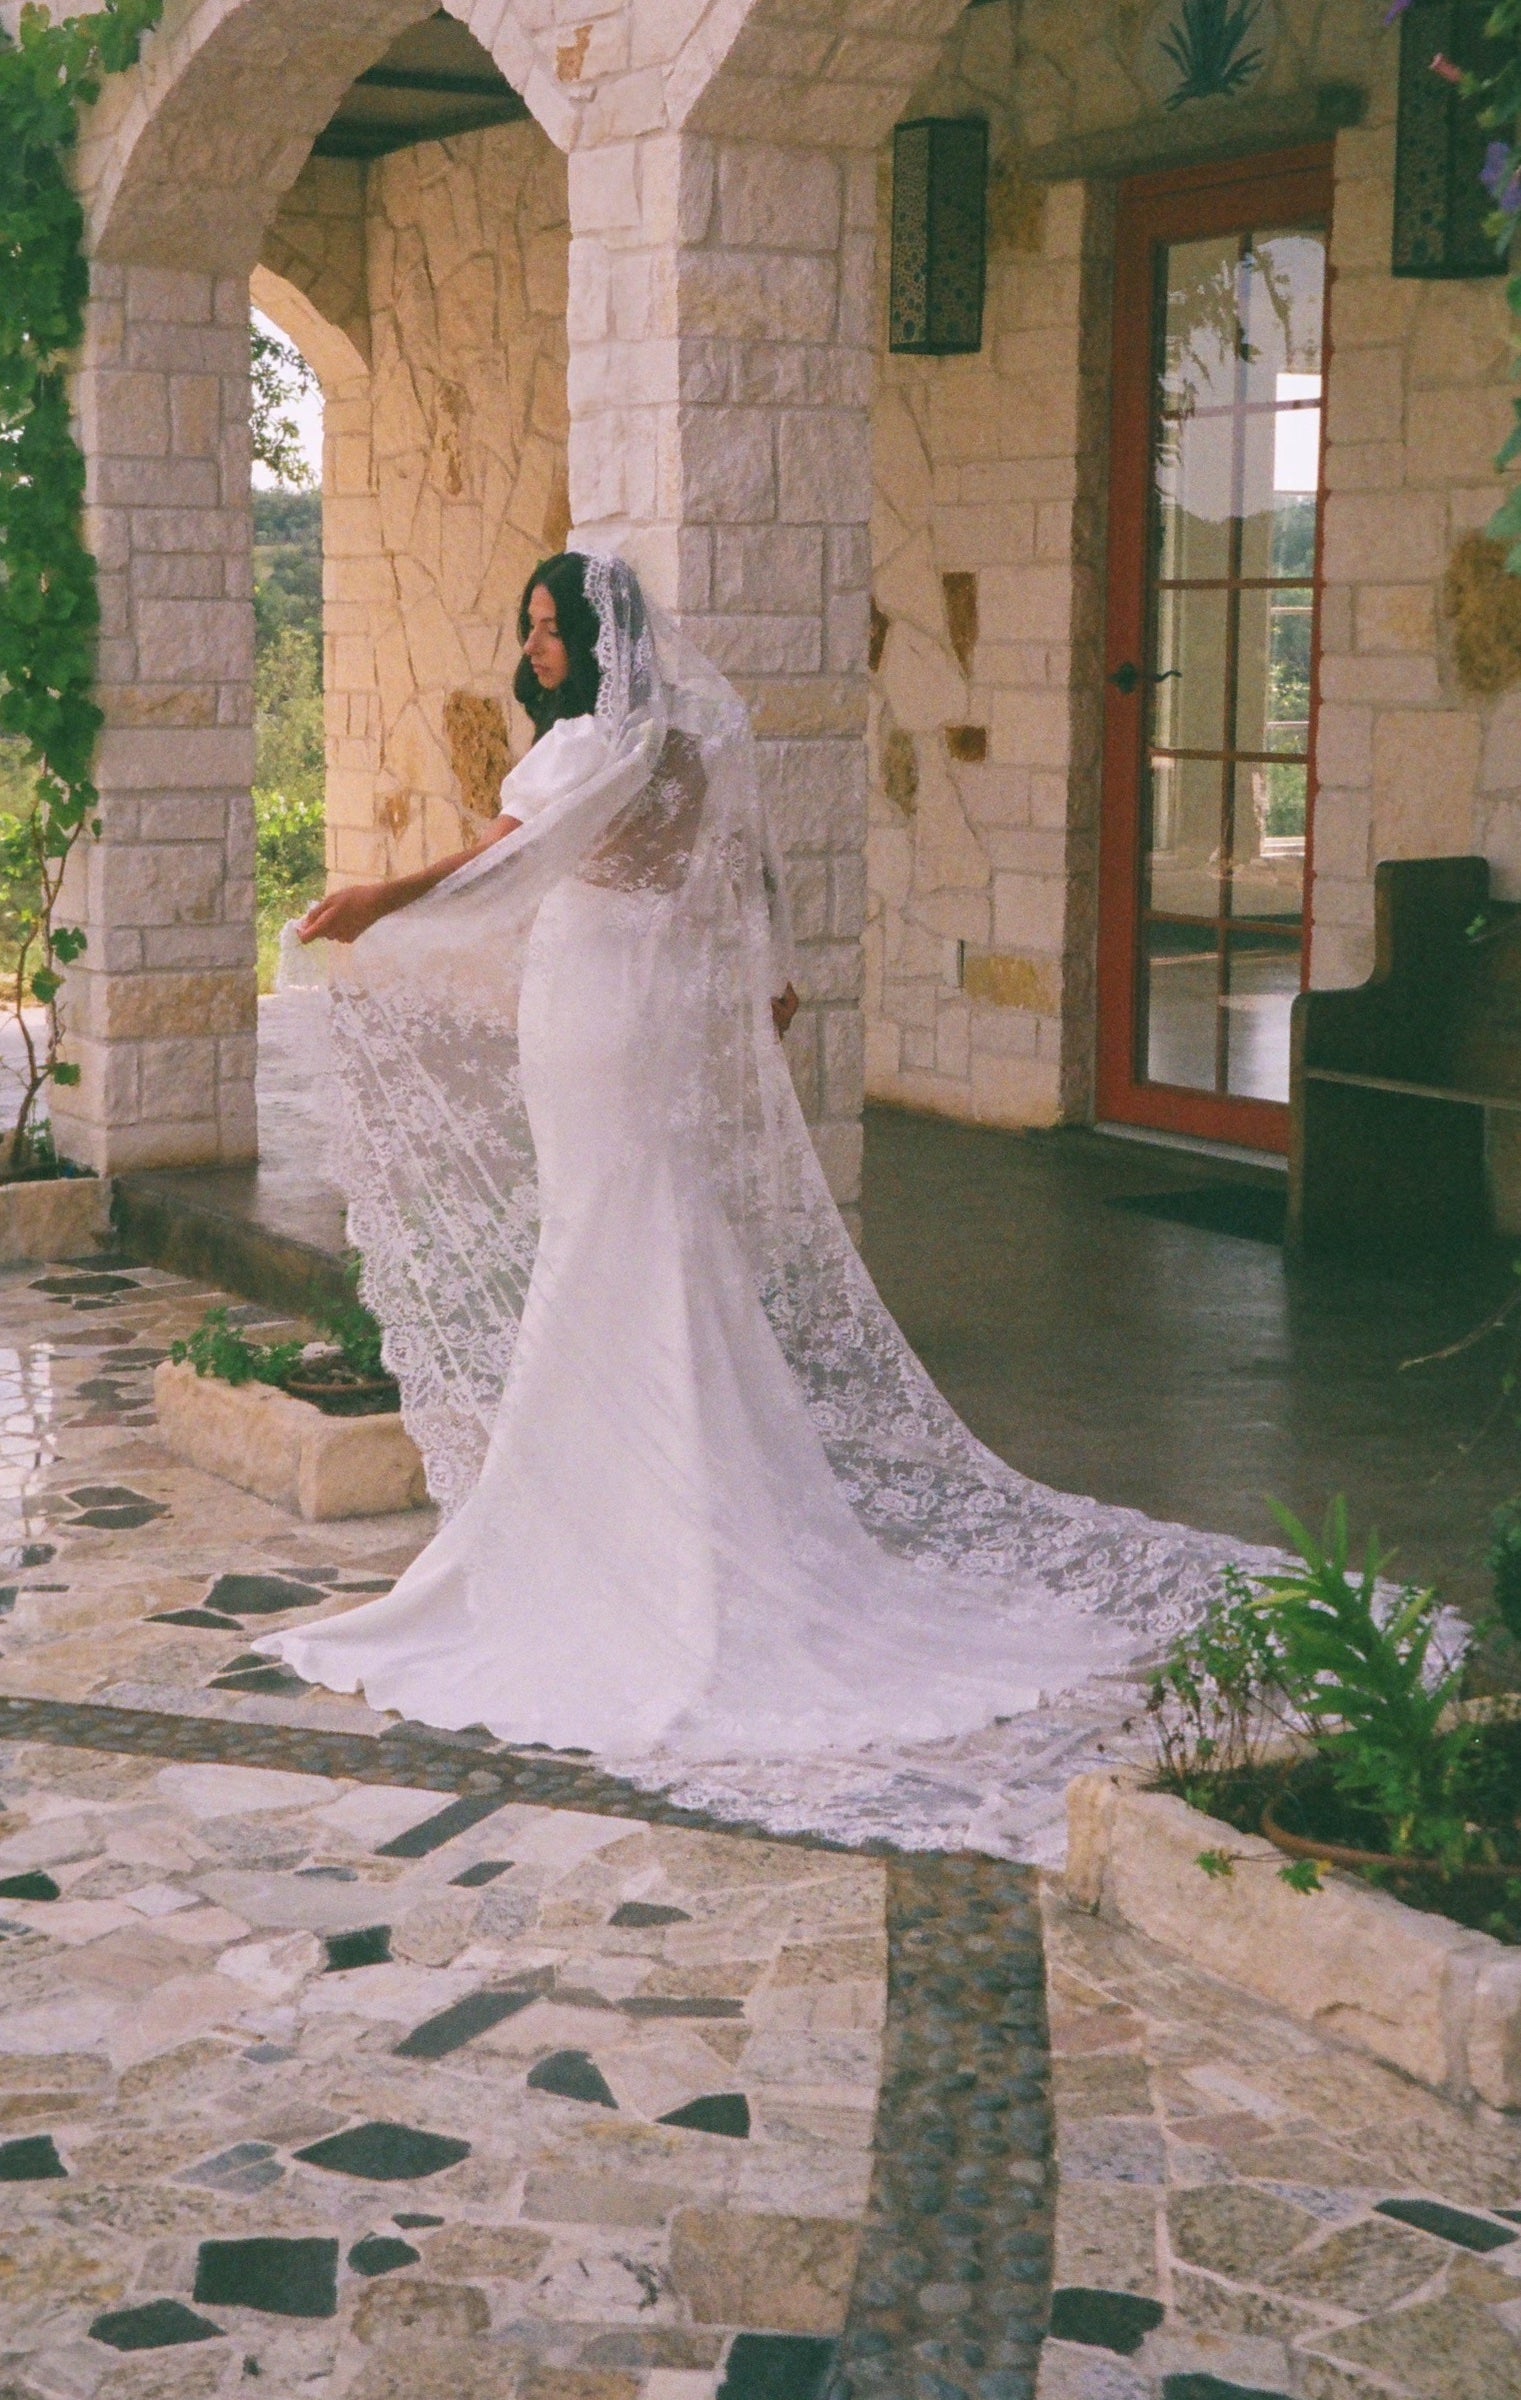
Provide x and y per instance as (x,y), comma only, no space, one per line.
(721,304)
(160,1012)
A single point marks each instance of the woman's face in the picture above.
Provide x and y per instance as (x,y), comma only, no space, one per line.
(544,650)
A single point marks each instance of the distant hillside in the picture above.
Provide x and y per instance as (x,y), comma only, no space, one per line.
(288,564)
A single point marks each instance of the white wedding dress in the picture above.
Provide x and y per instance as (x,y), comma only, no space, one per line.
(705,1515)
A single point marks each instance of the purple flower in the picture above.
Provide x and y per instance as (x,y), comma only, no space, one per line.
(1395,11)
(1501,178)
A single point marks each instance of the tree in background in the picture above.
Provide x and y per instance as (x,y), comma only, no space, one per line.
(289,818)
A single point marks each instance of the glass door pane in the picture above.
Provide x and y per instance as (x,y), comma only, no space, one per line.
(1235,475)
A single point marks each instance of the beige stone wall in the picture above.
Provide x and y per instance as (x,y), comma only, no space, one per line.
(444,469)
(979,988)
(1411,765)
(985,715)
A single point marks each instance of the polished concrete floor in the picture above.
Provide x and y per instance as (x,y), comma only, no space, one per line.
(1097,1344)
(1186,1371)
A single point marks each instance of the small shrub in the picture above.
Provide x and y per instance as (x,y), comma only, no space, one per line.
(218,1348)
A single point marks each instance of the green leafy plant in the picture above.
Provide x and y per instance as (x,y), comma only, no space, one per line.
(1209,44)
(281,377)
(357,1334)
(218,1348)
(49,610)
(1505,1565)
(1217,1699)
(1367,1680)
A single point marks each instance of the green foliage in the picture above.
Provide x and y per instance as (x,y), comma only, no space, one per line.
(1218,1696)
(281,377)
(218,1348)
(49,611)
(287,560)
(1504,1564)
(1210,45)
(1364,1678)
(289,817)
(357,1334)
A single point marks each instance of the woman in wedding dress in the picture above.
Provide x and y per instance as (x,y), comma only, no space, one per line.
(702,1507)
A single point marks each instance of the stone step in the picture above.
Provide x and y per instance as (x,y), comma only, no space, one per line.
(266,1236)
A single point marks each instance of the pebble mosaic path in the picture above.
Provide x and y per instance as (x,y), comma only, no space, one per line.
(342,2057)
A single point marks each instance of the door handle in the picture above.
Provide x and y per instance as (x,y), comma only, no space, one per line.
(1129,678)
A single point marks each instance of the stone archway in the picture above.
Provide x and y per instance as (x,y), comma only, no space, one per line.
(192,169)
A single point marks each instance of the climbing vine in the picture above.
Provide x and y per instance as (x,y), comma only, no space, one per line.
(49,611)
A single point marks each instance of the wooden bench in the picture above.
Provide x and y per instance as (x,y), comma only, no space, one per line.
(1401,1086)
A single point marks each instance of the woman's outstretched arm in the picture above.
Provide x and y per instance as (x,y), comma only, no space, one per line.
(344,916)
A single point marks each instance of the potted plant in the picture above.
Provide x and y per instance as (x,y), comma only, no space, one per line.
(314,1426)
(1324,1711)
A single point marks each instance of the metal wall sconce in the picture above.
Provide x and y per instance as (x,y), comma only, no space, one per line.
(940,236)
(1439,203)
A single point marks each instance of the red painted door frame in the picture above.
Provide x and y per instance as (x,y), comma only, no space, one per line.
(1282,189)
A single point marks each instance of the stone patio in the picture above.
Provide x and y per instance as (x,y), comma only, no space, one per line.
(339,2055)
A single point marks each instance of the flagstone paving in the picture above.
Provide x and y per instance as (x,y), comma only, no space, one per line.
(341,2056)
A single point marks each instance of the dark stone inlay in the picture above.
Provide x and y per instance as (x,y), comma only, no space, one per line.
(265,1677)
(366,1583)
(284,2275)
(778,2366)
(1512,2216)
(1107,2320)
(328,1874)
(84,1287)
(155,2326)
(34,1885)
(367,1946)
(10,1593)
(411,2217)
(1214,2387)
(419,1840)
(121,1520)
(485,1870)
(31,1554)
(197,1616)
(382,2254)
(32,2159)
(715,2112)
(106,1495)
(453,2027)
(648,1912)
(1450,2224)
(384,2153)
(260,1595)
(572,2075)
(644,2005)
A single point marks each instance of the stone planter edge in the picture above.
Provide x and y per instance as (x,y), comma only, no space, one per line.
(1426,1996)
(58,1218)
(286,1450)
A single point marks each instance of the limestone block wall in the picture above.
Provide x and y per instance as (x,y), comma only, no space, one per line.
(160,1010)
(986,709)
(988,565)
(1410,764)
(444,468)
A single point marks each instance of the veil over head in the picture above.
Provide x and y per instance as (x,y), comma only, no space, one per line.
(657,796)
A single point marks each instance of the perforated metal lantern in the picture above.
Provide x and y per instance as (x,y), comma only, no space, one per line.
(1439,203)
(940,236)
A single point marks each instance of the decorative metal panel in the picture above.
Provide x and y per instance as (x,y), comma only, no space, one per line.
(1439,203)
(940,227)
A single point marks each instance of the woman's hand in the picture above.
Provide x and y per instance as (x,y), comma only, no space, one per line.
(784,1010)
(344,916)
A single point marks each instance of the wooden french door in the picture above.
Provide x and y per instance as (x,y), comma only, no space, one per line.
(1212,643)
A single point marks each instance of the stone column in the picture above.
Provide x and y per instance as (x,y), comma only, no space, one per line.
(720,380)
(160,1012)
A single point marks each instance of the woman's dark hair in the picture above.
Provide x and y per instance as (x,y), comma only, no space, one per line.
(564,579)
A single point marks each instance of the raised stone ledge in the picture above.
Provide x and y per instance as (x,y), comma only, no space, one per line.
(59,1219)
(285,1450)
(1439,2002)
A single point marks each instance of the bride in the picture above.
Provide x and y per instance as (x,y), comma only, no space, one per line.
(700,1502)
